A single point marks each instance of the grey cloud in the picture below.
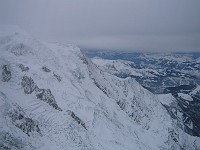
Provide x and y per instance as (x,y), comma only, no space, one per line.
(157,25)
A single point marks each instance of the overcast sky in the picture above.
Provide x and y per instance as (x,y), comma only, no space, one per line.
(138,25)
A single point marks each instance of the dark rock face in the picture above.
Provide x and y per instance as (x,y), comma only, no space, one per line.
(45,69)
(8,142)
(173,135)
(103,89)
(28,84)
(84,59)
(6,73)
(173,139)
(23,68)
(43,94)
(121,105)
(77,119)
(59,78)
(27,125)
(46,95)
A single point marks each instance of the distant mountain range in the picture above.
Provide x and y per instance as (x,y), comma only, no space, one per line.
(154,71)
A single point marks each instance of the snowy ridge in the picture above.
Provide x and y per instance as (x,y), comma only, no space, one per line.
(116,66)
(97,110)
(122,66)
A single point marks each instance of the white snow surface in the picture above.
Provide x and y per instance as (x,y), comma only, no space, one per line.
(117,113)
(185,96)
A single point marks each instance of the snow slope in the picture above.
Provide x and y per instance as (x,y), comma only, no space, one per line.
(53,97)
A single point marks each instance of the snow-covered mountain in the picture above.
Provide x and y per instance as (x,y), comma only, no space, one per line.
(53,97)
(155,72)
(158,75)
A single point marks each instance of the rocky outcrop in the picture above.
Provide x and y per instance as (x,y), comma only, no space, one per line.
(28,84)
(8,142)
(46,96)
(24,123)
(43,94)
(77,119)
(45,69)
(23,68)
(59,78)
(6,73)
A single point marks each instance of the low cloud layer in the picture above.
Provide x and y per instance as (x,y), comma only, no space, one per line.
(138,25)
